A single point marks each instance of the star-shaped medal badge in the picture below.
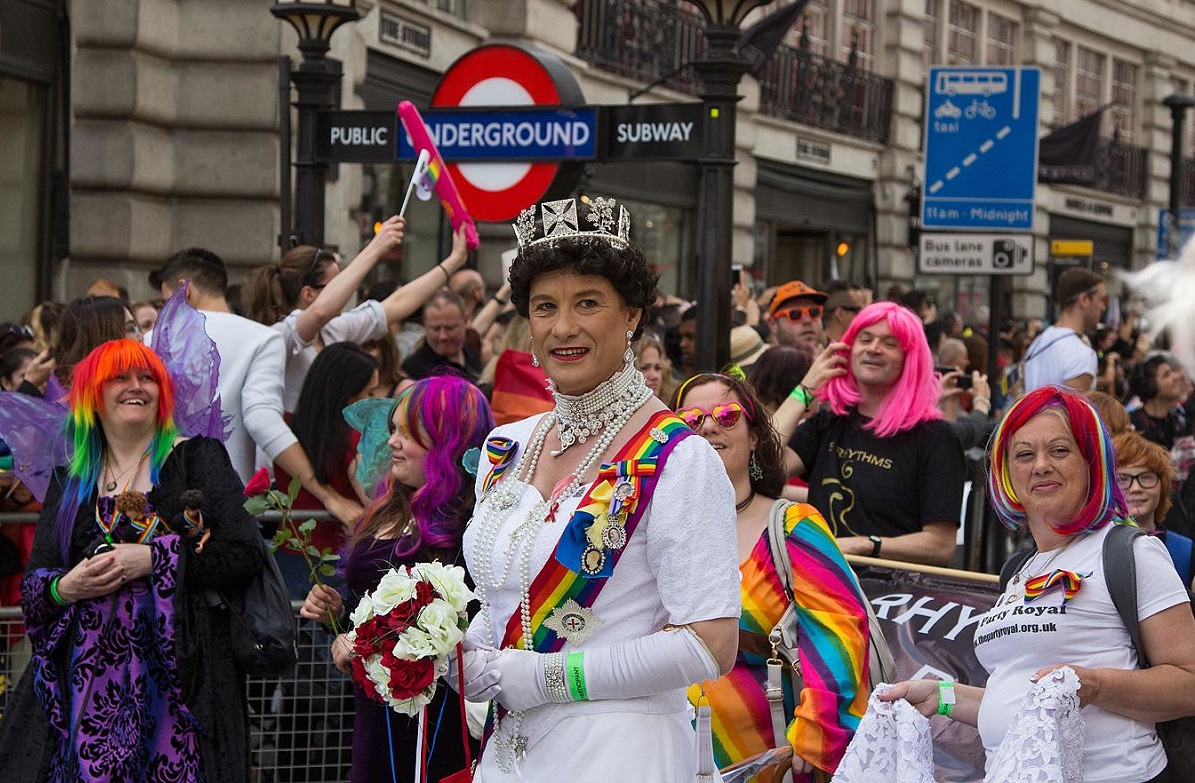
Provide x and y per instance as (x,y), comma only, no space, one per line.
(573,622)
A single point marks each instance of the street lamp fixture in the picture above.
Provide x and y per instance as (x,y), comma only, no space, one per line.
(1178,105)
(315,21)
(721,68)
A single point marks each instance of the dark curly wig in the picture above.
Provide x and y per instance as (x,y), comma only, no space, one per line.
(625,268)
(769,452)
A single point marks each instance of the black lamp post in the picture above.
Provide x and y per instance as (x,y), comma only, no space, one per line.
(1178,105)
(721,68)
(314,21)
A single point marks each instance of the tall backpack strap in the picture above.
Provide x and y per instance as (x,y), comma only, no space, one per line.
(1120,572)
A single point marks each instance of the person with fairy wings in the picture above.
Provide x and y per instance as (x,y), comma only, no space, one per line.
(132,676)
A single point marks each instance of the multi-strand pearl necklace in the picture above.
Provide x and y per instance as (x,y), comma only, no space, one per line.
(580,418)
(492,514)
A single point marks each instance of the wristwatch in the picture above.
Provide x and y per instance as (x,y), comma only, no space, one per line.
(876,541)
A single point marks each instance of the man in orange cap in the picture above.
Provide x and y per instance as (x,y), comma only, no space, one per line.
(795,315)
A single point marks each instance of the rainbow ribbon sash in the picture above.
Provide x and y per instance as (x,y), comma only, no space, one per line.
(143,530)
(501,453)
(1069,580)
(640,463)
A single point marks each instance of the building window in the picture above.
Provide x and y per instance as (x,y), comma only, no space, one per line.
(859,32)
(961,35)
(1089,82)
(815,28)
(1062,82)
(931,33)
(1002,40)
(1124,100)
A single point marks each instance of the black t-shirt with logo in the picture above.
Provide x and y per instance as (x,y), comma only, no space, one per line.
(867,485)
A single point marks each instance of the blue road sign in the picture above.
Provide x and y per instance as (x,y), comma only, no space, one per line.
(980,148)
(1186,229)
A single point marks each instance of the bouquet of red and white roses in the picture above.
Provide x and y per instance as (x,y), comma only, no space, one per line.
(404,632)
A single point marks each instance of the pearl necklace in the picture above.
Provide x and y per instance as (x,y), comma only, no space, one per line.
(492,512)
(581,417)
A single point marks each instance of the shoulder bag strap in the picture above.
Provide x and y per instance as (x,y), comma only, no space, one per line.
(1120,573)
(784,634)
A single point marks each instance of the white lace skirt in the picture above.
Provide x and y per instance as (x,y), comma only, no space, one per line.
(605,747)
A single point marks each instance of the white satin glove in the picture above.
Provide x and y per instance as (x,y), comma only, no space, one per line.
(663,661)
(520,683)
(481,682)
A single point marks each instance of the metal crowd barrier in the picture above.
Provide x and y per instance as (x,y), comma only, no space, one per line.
(300,726)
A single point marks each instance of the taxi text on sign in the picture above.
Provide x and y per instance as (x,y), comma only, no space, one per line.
(980,148)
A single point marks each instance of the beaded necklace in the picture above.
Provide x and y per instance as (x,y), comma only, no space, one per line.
(579,418)
(493,512)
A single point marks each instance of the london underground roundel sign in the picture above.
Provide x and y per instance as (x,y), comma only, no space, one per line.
(502,75)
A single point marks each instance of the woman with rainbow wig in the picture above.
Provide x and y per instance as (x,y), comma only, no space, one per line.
(1053,473)
(436,430)
(132,669)
(883,468)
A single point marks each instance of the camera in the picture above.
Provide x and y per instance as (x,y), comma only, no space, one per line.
(1006,253)
(964,380)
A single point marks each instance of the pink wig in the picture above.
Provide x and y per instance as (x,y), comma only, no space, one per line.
(914,398)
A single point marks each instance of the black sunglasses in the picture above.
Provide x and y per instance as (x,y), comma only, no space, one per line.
(311,270)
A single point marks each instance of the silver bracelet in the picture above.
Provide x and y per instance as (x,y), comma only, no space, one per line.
(554,678)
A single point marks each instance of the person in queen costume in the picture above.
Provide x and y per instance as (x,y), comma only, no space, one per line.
(603,545)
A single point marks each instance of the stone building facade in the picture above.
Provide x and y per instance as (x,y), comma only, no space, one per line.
(133,128)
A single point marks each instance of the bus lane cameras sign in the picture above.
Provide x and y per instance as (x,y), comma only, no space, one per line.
(975,254)
(980,148)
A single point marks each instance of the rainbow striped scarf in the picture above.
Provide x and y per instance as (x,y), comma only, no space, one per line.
(562,578)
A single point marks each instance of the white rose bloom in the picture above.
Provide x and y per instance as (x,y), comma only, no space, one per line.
(441,623)
(414,644)
(394,589)
(364,610)
(449,581)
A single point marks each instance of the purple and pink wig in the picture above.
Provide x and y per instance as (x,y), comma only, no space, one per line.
(446,416)
(1105,502)
(914,398)
(84,428)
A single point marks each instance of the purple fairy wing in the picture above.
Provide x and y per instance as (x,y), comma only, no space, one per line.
(193,362)
(34,428)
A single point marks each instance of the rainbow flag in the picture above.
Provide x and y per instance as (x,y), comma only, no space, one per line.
(832,643)
(1069,581)
(557,582)
(520,388)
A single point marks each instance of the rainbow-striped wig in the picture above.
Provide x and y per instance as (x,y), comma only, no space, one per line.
(1105,502)
(85,434)
(914,398)
(446,416)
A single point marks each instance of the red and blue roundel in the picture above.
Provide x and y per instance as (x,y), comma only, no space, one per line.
(506,76)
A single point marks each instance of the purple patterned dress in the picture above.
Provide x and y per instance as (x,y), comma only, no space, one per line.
(138,685)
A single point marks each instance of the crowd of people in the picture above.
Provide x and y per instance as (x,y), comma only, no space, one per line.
(625,517)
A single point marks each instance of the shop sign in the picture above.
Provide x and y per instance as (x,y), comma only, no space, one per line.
(355,136)
(1071,248)
(976,254)
(813,151)
(660,131)
(511,134)
(511,77)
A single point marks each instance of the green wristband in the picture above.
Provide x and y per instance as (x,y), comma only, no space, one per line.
(946,697)
(574,674)
(54,592)
(802,395)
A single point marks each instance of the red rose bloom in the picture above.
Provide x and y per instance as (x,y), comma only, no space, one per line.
(409,678)
(259,484)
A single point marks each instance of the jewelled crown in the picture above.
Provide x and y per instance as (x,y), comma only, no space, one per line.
(558,220)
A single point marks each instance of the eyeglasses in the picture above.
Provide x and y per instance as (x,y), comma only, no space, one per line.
(1146,480)
(725,415)
(19,331)
(311,270)
(797,313)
